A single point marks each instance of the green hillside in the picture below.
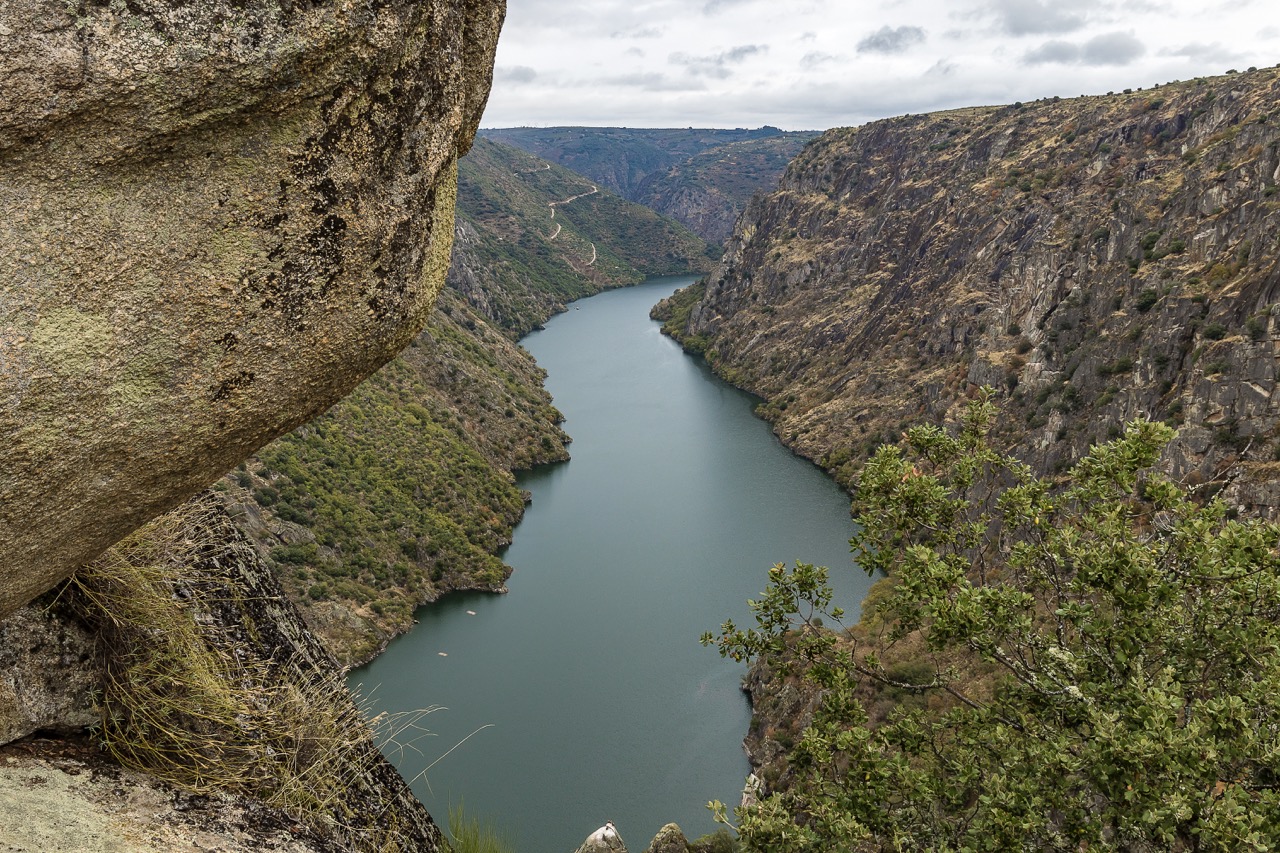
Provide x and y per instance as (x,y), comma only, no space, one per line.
(403,490)
(702,178)
(518,263)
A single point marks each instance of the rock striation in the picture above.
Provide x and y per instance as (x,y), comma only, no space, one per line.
(1096,258)
(215,219)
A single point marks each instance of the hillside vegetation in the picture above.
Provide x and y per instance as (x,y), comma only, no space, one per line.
(1095,258)
(404,490)
(1081,664)
(518,264)
(702,178)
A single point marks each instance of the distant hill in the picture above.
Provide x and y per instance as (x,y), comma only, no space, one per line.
(517,263)
(700,177)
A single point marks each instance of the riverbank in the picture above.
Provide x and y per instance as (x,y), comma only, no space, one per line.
(602,702)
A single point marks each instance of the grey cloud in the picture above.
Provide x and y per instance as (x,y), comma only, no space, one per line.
(1112,49)
(891,40)
(1063,52)
(514,74)
(1033,17)
(638,33)
(941,68)
(716,65)
(816,59)
(1214,52)
(1107,49)
(650,82)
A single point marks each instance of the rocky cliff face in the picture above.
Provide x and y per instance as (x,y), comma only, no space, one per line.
(216,219)
(1098,259)
(201,678)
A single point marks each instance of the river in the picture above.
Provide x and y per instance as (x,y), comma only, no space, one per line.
(598,701)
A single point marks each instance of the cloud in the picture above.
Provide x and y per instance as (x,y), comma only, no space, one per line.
(891,40)
(1034,17)
(717,65)
(638,33)
(941,68)
(1107,49)
(817,59)
(1112,49)
(1198,52)
(651,82)
(514,74)
(1063,52)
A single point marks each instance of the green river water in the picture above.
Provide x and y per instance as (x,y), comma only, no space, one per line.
(599,702)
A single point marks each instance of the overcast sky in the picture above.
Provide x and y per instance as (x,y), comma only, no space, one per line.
(815,64)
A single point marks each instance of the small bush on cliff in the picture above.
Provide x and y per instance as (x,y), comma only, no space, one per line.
(1135,630)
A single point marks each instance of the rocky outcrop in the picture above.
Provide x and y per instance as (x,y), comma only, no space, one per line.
(669,840)
(604,840)
(215,219)
(50,677)
(1098,259)
(61,795)
(205,680)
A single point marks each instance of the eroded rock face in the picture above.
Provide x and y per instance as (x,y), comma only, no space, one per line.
(1098,259)
(215,219)
(49,676)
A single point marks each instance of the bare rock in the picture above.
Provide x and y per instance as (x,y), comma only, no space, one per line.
(49,676)
(669,840)
(215,219)
(604,840)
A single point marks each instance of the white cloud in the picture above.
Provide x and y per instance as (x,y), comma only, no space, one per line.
(514,74)
(797,64)
(717,65)
(1198,52)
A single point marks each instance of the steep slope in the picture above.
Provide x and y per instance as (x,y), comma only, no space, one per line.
(1097,258)
(403,490)
(702,178)
(533,236)
(709,190)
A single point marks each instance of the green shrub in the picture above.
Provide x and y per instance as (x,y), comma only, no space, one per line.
(1124,671)
(471,835)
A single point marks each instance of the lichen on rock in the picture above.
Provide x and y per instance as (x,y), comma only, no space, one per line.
(215,219)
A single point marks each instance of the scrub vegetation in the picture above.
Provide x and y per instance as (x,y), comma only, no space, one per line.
(1083,664)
